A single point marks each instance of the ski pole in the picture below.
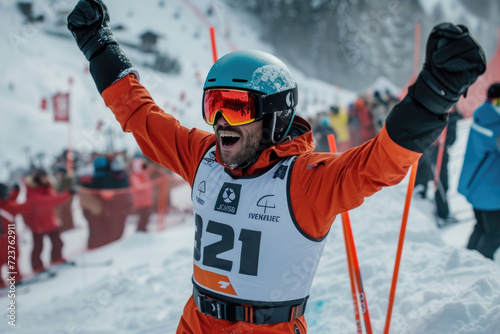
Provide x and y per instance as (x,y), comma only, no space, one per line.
(352,263)
(404,222)
(214,45)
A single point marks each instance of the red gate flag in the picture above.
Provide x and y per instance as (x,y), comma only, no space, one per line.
(61,107)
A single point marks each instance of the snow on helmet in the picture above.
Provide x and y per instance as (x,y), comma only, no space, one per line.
(263,73)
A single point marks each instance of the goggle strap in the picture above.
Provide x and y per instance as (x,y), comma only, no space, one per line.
(284,100)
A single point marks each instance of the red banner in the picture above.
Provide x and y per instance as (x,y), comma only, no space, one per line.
(61,107)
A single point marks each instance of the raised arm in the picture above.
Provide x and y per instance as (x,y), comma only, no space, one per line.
(159,135)
(454,60)
(333,184)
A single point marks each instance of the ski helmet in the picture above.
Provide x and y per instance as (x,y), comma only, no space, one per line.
(262,73)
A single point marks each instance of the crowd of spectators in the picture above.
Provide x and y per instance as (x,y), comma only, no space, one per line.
(355,124)
(108,188)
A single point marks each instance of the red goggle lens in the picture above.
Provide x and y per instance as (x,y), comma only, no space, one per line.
(237,106)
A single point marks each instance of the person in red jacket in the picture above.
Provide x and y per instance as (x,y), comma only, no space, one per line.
(362,118)
(9,250)
(41,218)
(263,201)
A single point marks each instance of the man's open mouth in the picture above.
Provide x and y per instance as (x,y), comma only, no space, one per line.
(228,138)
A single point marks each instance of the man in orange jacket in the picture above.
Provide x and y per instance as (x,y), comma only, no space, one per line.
(263,202)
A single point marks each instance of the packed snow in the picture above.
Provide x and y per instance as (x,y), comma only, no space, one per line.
(140,284)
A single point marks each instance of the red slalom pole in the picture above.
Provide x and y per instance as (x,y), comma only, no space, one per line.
(353,264)
(439,160)
(354,292)
(346,224)
(404,222)
(214,45)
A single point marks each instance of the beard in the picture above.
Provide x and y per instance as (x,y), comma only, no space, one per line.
(249,148)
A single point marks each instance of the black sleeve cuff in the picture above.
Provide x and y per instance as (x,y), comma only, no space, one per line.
(109,66)
(414,127)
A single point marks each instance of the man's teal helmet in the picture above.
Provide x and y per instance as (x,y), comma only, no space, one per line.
(262,73)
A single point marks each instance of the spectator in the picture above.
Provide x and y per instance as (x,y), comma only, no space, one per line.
(480,178)
(65,182)
(379,111)
(442,207)
(142,191)
(320,133)
(41,218)
(426,172)
(118,171)
(360,121)
(339,121)
(8,210)
(390,99)
(106,201)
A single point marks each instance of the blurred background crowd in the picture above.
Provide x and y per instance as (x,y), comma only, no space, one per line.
(93,197)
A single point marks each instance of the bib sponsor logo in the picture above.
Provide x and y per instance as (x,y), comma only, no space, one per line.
(201,190)
(266,202)
(228,199)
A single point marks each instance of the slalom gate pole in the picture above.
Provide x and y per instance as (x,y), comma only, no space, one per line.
(409,194)
(214,44)
(69,153)
(352,263)
(354,291)
(346,223)
(439,160)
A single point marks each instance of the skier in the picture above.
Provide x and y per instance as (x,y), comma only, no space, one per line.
(263,202)
(480,177)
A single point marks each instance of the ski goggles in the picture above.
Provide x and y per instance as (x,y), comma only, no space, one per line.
(495,102)
(240,107)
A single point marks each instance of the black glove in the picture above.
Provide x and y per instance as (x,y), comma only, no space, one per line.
(453,61)
(89,24)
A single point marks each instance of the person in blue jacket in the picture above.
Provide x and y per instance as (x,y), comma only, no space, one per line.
(480,178)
